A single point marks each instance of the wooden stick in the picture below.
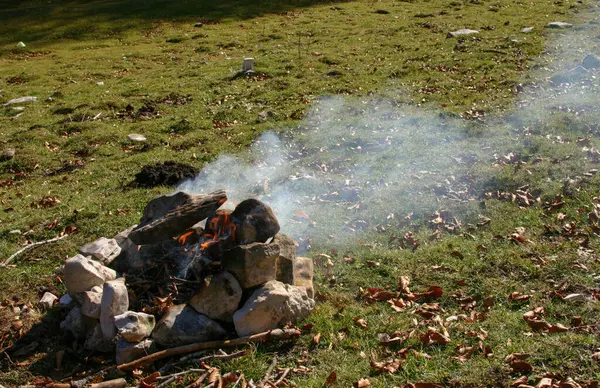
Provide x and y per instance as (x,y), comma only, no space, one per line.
(200,379)
(117,383)
(267,335)
(35,244)
(283,376)
(268,372)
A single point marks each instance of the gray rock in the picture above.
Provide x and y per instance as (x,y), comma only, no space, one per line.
(256,222)
(136,137)
(171,215)
(527,30)
(218,299)
(303,275)
(182,325)
(127,351)
(91,302)
(271,306)
(461,32)
(81,274)
(591,62)
(77,324)
(252,264)
(133,326)
(8,154)
(65,301)
(96,341)
(21,100)
(286,258)
(26,350)
(48,300)
(559,25)
(103,250)
(115,301)
(576,74)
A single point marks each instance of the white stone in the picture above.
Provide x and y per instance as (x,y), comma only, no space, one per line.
(65,300)
(462,32)
(136,137)
(77,324)
(90,302)
(21,100)
(133,326)
(81,274)
(115,301)
(182,325)
(303,275)
(127,351)
(218,299)
(559,25)
(527,30)
(103,249)
(575,298)
(271,306)
(248,65)
(96,341)
(48,300)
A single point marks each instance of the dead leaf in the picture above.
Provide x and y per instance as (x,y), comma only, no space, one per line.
(331,379)
(390,366)
(544,383)
(360,322)
(519,381)
(317,338)
(568,383)
(434,337)
(463,353)
(520,366)
(596,356)
(516,356)
(518,297)
(403,284)
(362,383)
(433,292)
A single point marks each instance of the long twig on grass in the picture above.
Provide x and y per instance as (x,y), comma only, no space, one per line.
(283,376)
(277,334)
(200,379)
(35,244)
(268,372)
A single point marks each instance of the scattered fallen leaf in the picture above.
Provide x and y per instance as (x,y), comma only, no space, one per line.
(519,381)
(360,322)
(331,378)
(362,383)
(518,297)
(520,366)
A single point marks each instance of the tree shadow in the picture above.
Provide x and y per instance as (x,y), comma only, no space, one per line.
(46,21)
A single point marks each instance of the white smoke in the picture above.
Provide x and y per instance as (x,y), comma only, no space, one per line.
(363,165)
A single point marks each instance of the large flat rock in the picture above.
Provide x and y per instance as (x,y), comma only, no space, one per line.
(271,306)
(182,325)
(169,216)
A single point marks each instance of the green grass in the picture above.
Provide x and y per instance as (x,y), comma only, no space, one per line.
(144,52)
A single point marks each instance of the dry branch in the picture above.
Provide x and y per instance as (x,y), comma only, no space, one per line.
(277,334)
(32,245)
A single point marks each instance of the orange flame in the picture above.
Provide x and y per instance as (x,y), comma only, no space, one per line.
(220,226)
(181,240)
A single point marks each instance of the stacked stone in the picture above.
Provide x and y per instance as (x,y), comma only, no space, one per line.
(262,285)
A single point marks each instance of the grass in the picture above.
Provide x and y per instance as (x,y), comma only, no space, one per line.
(72,145)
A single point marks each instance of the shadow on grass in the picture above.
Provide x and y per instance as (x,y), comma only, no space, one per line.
(44,21)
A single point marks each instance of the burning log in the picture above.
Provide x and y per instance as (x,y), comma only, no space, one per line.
(169,216)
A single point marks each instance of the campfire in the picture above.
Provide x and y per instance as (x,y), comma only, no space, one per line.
(193,271)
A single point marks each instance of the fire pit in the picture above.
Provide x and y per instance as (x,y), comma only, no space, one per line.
(194,271)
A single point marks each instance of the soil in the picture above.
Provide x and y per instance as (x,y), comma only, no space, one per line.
(164,174)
